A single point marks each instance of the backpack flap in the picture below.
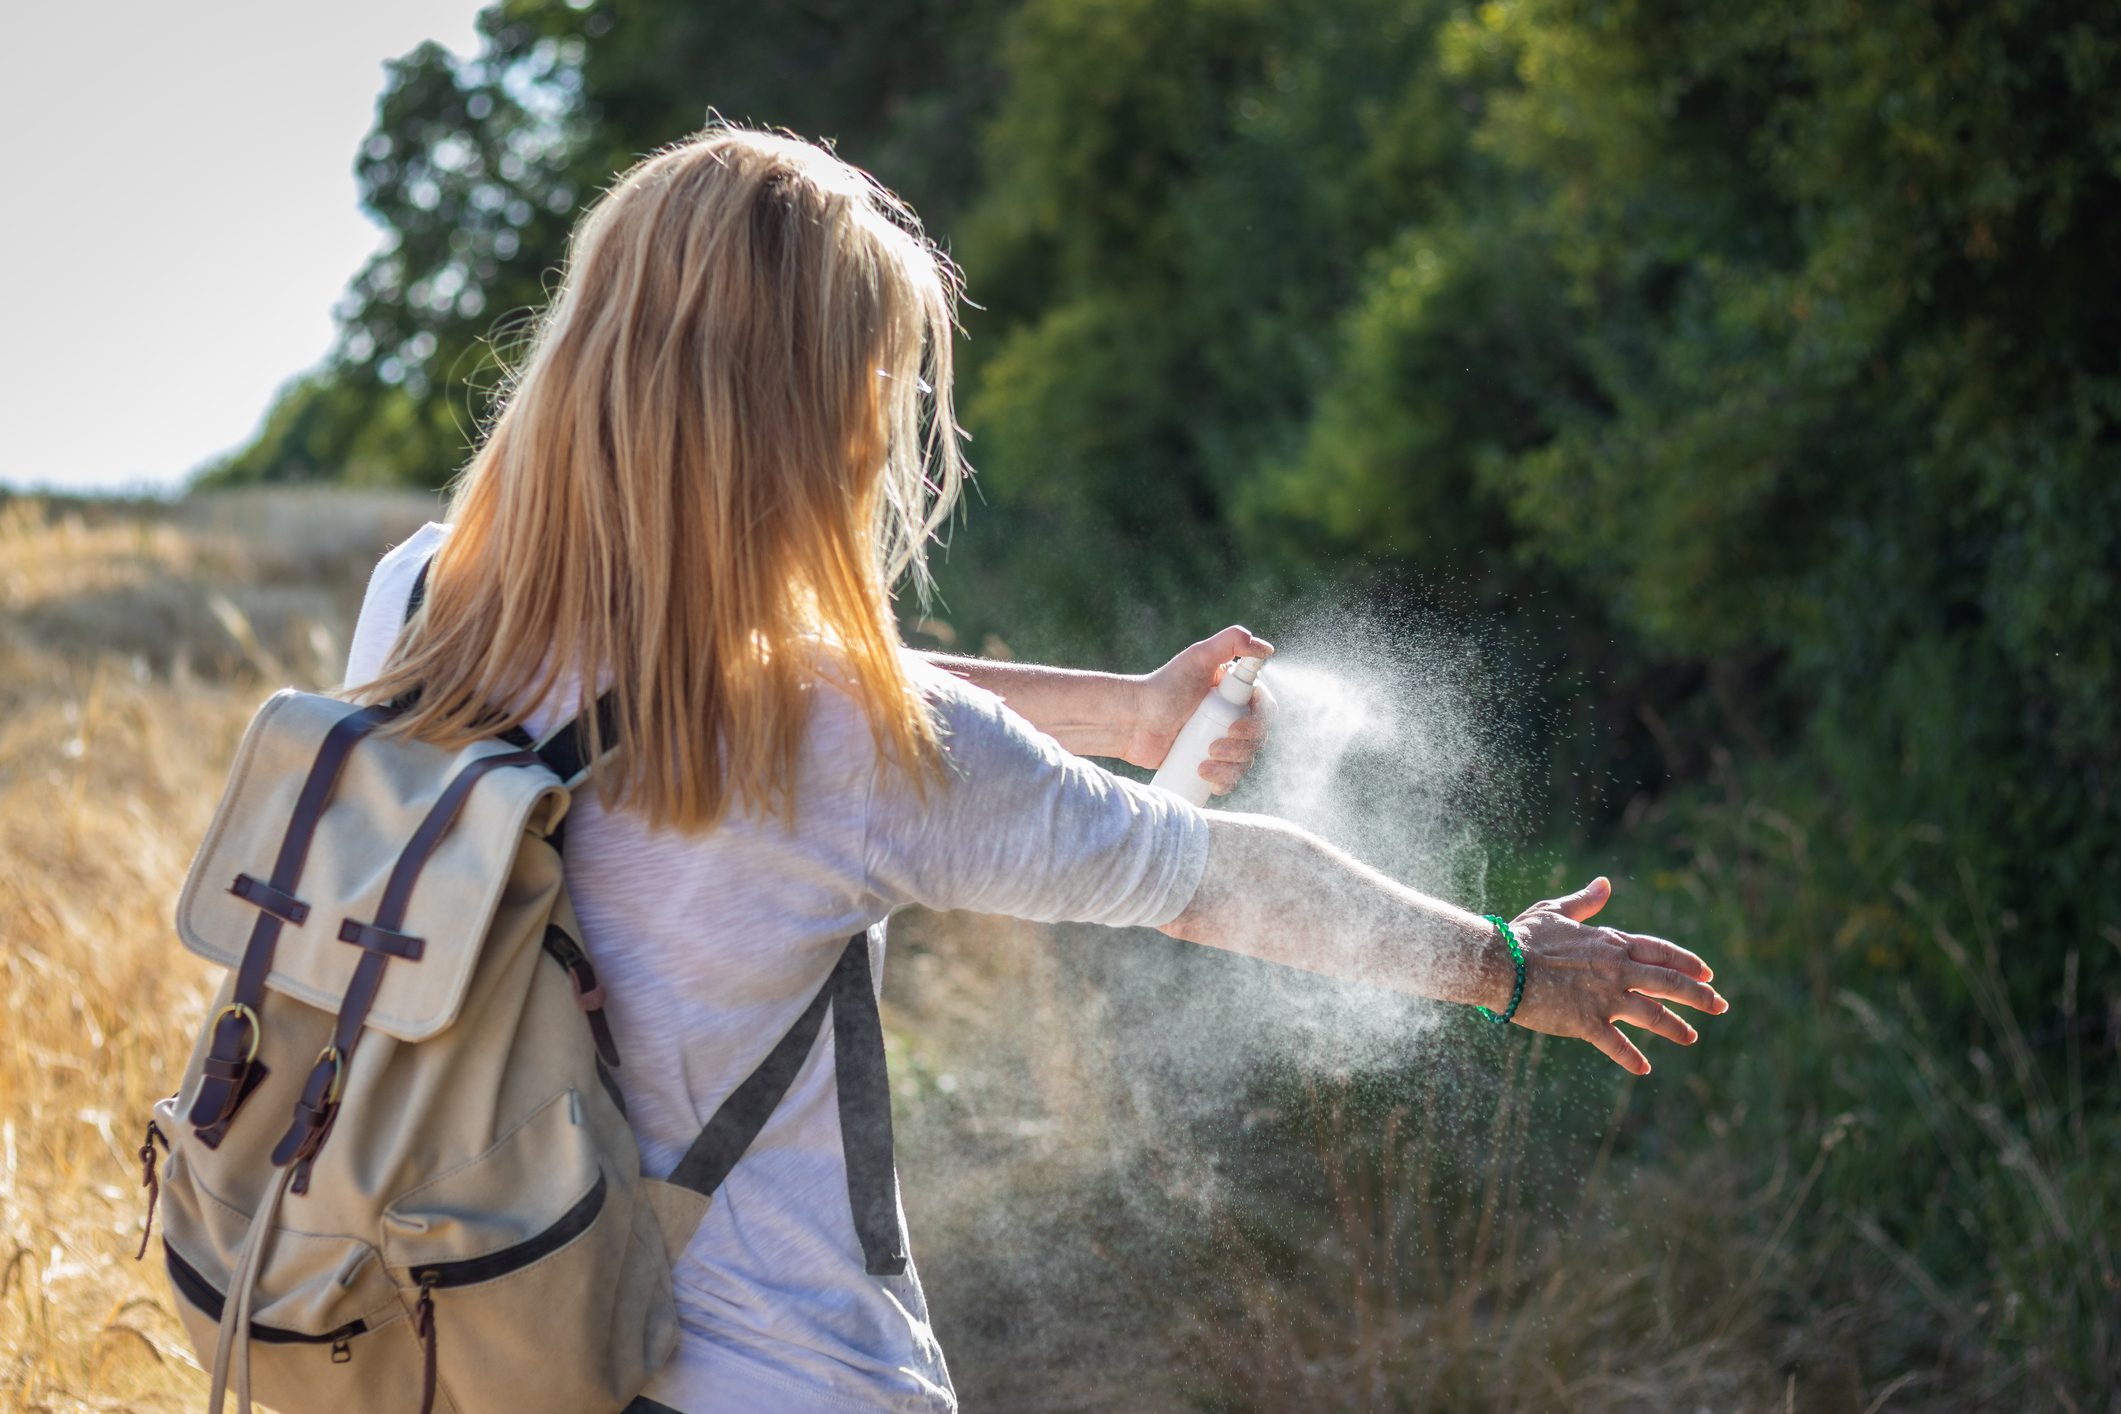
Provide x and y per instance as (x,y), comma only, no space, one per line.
(385,800)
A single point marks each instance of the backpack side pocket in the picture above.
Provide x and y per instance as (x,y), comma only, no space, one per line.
(528,1271)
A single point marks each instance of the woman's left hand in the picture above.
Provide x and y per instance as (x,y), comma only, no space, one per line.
(1579,978)
(1166,698)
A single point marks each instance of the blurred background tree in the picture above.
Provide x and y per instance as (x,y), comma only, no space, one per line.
(1781,344)
(477,169)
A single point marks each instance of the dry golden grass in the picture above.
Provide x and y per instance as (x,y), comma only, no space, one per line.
(134,643)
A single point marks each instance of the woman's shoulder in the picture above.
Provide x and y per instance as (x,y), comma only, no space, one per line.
(979,733)
(383,606)
(947,695)
(977,728)
(416,547)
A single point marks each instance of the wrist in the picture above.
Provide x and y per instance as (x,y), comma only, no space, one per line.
(1494,969)
(1502,1016)
(1129,716)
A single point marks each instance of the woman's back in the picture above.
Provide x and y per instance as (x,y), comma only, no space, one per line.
(711,945)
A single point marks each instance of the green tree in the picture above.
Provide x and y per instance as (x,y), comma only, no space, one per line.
(1181,200)
(477,169)
(1836,276)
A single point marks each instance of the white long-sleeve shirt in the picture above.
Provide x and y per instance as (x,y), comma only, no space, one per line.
(711,945)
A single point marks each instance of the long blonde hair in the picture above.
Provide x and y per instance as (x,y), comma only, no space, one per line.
(732,436)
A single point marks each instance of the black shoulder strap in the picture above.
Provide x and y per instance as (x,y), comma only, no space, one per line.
(418,596)
(566,751)
(864,1105)
(864,1088)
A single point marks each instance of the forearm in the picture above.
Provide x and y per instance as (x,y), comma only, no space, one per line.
(1275,891)
(1091,714)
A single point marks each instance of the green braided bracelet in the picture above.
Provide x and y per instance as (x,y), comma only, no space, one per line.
(1516,991)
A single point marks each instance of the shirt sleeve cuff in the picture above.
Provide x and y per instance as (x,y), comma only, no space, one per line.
(1183,866)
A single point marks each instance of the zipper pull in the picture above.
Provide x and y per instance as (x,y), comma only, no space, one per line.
(341,1351)
(423,1326)
(149,1181)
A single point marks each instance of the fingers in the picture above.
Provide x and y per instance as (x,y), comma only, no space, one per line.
(1235,641)
(1230,755)
(1659,953)
(1675,987)
(1619,1050)
(1262,708)
(1586,900)
(1641,1011)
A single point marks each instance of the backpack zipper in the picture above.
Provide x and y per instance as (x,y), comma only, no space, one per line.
(423,1330)
(195,1288)
(469,1271)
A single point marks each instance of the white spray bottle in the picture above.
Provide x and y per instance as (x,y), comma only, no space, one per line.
(1180,773)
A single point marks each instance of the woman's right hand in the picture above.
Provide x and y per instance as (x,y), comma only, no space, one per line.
(1164,699)
(1580,979)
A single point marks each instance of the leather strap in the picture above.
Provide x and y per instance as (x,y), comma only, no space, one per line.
(864,1104)
(588,991)
(319,1103)
(383,940)
(285,906)
(234,1046)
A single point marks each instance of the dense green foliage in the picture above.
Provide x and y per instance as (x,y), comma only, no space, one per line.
(1781,343)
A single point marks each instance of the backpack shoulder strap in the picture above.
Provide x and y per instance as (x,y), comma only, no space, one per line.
(566,751)
(414,600)
(864,1106)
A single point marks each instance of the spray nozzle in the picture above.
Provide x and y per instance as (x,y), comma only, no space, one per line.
(1236,685)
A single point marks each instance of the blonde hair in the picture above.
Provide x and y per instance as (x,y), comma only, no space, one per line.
(732,436)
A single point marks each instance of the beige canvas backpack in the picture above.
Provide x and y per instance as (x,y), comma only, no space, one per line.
(398,1173)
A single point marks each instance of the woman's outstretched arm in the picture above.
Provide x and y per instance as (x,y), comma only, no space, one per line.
(1130,717)
(1275,891)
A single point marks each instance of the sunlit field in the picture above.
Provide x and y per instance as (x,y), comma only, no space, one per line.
(1120,1199)
(133,645)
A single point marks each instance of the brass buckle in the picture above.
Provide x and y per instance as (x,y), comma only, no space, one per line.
(257,1032)
(338,1073)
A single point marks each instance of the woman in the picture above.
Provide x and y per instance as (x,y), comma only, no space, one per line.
(733,436)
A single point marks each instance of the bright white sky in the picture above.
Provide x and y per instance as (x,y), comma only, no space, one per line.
(180,218)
